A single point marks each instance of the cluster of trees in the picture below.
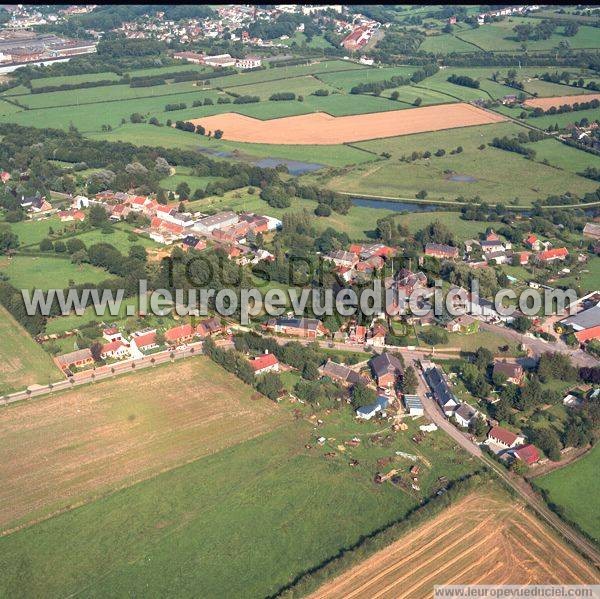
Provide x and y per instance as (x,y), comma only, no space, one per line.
(246,99)
(541,31)
(172,107)
(376,87)
(279,96)
(591,105)
(512,144)
(464,80)
(206,102)
(147,81)
(42,89)
(279,195)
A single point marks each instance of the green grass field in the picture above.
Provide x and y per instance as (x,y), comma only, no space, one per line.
(23,361)
(573,488)
(348,79)
(48,272)
(501,37)
(276,507)
(445,43)
(499,175)
(563,156)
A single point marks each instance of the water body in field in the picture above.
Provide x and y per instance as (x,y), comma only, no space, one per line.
(294,167)
(395,206)
(463,179)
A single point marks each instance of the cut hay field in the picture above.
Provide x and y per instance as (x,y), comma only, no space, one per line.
(496,175)
(486,538)
(320,128)
(48,272)
(546,103)
(63,450)
(242,522)
(571,488)
(22,361)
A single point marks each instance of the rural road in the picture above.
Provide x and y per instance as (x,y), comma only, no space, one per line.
(539,346)
(518,484)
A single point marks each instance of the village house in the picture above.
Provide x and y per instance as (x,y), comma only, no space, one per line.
(191,242)
(71,215)
(376,336)
(209,327)
(75,359)
(503,439)
(532,242)
(463,324)
(387,369)
(528,454)
(440,388)
(35,204)
(592,230)
(265,363)
(512,371)
(340,373)
(112,334)
(114,349)
(585,324)
(548,256)
(144,340)
(179,335)
(309,328)
(357,333)
(590,334)
(439,250)
(465,414)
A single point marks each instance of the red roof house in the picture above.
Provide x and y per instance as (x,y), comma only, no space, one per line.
(551,255)
(265,363)
(180,334)
(528,453)
(588,334)
(504,437)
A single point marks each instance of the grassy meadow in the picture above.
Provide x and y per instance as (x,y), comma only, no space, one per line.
(22,361)
(572,488)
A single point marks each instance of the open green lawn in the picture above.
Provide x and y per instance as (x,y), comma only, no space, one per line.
(74,79)
(48,272)
(564,157)
(501,37)
(562,120)
(171,183)
(574,488)
(499,175)
(119,237)
(33,231)
(339,155)
(549,89)
(347,80)
(445,43)
(409,93)
(22,361)
(240,523)
(299,85)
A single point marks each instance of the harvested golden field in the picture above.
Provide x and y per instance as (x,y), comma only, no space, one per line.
(65,450)
(557,101)
(486,538)
(323,129)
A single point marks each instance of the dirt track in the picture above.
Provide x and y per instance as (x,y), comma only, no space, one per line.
(483,539)
(323,129)
(557,101)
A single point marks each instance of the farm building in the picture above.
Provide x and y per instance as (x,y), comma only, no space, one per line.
(310,328)
(503,438)
(413,405)
(340,373)
(441,391)
(221,220)
(367,412)
(387,368)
